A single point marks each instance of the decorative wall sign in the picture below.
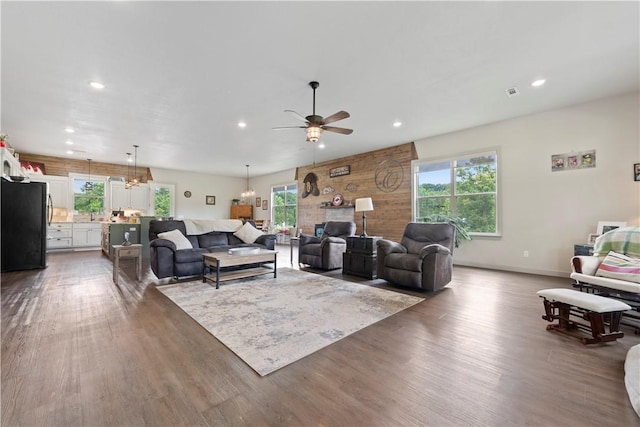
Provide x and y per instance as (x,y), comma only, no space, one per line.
(389,175)
(351,187)
(328,189)
(211,200)
(341,171)
(310,186)
(568,161)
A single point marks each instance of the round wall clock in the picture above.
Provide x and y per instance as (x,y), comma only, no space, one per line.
(337,199)
(187,194)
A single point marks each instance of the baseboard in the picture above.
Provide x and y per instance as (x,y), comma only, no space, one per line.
(514,269)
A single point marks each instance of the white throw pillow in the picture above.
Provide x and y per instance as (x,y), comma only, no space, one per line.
(248,233)
(176,237)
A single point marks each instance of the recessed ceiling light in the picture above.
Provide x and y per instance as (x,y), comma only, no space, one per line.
(321,145)
(69,152)
(96,85)
(538,82)
(242,125)
(68,142)
(69,130)
(397,124)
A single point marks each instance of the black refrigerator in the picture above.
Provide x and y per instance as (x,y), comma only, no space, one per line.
(24,218)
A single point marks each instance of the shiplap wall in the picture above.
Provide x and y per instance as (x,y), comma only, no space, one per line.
(384,175)
(59,166)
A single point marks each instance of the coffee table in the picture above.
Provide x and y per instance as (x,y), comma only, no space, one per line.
(213,262)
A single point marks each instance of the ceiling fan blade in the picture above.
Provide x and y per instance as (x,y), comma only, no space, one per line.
(288,127)
(296,115)
(343,131)
(335,117)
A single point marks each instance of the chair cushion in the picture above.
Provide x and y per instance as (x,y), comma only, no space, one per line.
(410,262)
(312,249)
(618,266)
(177,238)
(248,233)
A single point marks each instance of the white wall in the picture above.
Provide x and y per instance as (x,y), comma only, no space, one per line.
(546,212)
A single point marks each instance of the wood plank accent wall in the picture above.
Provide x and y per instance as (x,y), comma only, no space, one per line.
(384,175)
(59,166)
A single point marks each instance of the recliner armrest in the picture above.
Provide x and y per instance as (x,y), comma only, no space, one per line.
(331,239)
(305,239)
(433,249)
(389,246)
(163,243)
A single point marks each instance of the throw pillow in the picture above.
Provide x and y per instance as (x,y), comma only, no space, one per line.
(248,233)
(618,266)
(177,238)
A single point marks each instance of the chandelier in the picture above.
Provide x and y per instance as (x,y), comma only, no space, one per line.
(132,182)
(248,191)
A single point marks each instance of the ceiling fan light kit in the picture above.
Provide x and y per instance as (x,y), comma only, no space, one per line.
(316,124)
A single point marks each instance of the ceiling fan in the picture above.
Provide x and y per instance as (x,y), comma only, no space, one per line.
(317,124)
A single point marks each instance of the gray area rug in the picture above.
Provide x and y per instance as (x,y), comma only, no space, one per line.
(270,323)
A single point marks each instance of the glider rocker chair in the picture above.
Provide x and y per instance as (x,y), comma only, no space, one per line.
(423,259)
(326,252)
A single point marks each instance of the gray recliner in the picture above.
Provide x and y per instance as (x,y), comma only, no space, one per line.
(423,259)
(326,252)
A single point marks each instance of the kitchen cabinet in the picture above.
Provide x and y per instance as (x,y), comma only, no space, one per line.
(87,235)
(59,235)
(135,198)
(241,212)
(58,189)
(10,165)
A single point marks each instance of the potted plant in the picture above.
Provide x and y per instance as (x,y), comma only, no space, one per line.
(235,201)
(461,231)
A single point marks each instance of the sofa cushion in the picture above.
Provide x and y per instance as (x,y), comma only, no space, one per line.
(213,239)
(248,233)
(177,238)
(409,262)
(618,266)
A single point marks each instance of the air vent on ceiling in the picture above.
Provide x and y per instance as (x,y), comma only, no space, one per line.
(512,91)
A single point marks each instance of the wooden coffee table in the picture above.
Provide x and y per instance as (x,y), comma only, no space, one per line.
(213,262)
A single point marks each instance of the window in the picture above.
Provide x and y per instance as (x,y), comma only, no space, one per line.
(162,199)
(464,187)
(284,202)
(88,195)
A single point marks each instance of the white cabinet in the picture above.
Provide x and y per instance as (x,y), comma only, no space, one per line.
(136,198)
(87,234)
(58,189)
(59,235)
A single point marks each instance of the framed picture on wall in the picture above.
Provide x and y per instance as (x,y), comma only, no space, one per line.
(604,226)
(258,202)
(636,172)
(265,205)
(592,238)
(211,200)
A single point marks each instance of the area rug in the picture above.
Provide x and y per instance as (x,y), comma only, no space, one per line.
(270,323)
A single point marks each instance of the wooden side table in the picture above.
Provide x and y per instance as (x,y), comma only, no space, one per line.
(131,251)
(360,259)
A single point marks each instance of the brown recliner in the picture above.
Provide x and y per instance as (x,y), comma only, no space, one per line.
(423,259)
(326,252)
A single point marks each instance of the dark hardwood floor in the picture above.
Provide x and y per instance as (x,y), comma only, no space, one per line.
(79,350)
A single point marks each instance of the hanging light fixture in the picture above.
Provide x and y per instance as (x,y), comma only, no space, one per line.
(88,185)
(134,181)
(313,133)
(248,192)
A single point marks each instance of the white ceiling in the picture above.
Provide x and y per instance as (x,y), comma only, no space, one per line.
(180,75)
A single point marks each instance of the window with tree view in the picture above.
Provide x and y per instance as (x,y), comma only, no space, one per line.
(464,187)
(88,196)
(284,206)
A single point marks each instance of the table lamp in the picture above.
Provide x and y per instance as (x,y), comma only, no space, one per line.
(364,204)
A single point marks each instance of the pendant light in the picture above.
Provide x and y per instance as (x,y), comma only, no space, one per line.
(88,185)
(133,182)
(248,192)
